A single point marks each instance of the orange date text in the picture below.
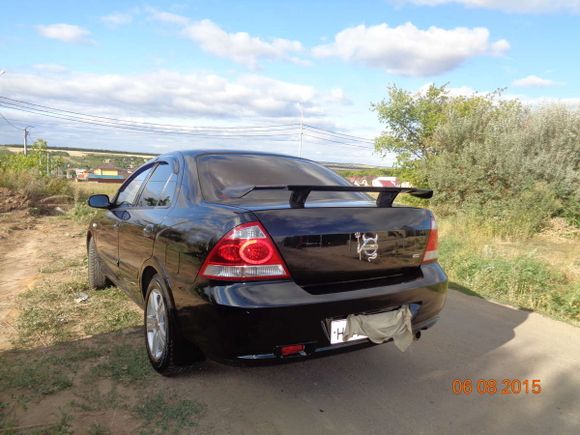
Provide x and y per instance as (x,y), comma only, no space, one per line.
(507,386)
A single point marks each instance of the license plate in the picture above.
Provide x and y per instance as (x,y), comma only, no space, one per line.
(337,328)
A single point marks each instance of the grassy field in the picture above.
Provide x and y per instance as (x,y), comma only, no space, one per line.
(541,273)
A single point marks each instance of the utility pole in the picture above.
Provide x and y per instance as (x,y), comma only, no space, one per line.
(301,129)
(26,134)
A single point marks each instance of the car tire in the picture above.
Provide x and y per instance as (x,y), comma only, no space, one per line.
(97,278)
(168,353)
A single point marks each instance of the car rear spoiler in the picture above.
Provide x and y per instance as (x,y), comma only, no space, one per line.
(300,192)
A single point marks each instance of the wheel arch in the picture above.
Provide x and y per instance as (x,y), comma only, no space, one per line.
(146,276)
(149,269)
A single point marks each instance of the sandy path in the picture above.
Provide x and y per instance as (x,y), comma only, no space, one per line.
(22,253)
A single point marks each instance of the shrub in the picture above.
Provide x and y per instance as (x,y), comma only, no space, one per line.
(510,166)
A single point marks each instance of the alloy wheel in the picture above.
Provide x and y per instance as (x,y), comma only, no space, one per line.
(156,324)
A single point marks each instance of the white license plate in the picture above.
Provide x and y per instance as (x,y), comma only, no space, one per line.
(337,328)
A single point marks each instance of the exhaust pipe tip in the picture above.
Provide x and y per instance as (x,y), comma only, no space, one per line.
(417,335)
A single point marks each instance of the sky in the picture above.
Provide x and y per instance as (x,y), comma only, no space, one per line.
(249,74)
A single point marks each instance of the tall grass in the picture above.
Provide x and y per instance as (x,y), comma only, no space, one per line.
(476,261)
(32,184)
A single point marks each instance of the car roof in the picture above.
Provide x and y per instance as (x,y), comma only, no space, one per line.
(198,152)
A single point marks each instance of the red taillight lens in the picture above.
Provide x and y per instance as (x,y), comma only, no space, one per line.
(431,252)
(229,252)
(245,253)
(256,251)
(291,349)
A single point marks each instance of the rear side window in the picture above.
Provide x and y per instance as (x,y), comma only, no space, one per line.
(218,172)
(159,190)
(128,195)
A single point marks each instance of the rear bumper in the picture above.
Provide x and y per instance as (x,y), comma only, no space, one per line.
(250,321)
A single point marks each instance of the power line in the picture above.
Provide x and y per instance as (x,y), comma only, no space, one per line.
(9,123)
(146,128)
(238,132)
(43,108)
(346,136)
(272,127)
(338,141)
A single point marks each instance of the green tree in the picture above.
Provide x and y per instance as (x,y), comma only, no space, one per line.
(505,163)
(411,120)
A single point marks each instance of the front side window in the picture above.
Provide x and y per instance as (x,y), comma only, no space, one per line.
(128,195)
(158,191)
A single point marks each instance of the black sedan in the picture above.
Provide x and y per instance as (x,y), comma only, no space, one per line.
(242,256)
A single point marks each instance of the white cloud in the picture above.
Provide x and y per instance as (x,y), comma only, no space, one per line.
(117,19)
(49,67)
(240,47)
(64,32)
(249,98)
(410,51)
(188,100)
(523,6)
(168,17)
(533,81)
(467,91)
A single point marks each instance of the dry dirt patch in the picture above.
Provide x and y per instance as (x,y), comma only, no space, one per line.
(31,244)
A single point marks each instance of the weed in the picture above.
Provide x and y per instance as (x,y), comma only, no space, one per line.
(82,213)
(49,313)
(63,427)
(61,264)
(112,312)
(125,363)
(97,429)
(519,280)
(36,376)
(168,415)
(93,400)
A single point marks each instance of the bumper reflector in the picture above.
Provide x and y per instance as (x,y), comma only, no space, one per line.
(291,349)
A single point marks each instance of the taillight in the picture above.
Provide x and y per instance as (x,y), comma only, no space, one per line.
(431,252)
(245,253)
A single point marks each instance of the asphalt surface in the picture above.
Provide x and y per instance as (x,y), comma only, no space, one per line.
(381,390)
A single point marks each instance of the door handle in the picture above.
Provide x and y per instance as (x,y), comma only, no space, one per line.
(149,230)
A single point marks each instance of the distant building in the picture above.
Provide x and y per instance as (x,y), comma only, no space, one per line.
(370,181)
(361,180)
(108,170)
(386,182)
(108,174)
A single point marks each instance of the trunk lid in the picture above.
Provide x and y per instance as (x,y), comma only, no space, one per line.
(326,247)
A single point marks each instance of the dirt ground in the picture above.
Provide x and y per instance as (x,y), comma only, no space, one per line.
(25,242)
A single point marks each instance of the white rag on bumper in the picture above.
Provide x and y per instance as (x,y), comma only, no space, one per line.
(382,327)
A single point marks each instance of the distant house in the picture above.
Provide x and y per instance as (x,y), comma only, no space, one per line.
(386,182)
(108,170)
(108,174)
(369,181)
(361,180)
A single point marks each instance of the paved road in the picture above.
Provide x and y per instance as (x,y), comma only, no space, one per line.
(380,390)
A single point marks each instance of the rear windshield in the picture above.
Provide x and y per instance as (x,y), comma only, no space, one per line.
(218,172)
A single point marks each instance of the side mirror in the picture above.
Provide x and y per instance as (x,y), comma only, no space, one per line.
(99,201)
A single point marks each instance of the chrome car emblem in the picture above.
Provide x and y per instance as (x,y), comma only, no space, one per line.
(367,246)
